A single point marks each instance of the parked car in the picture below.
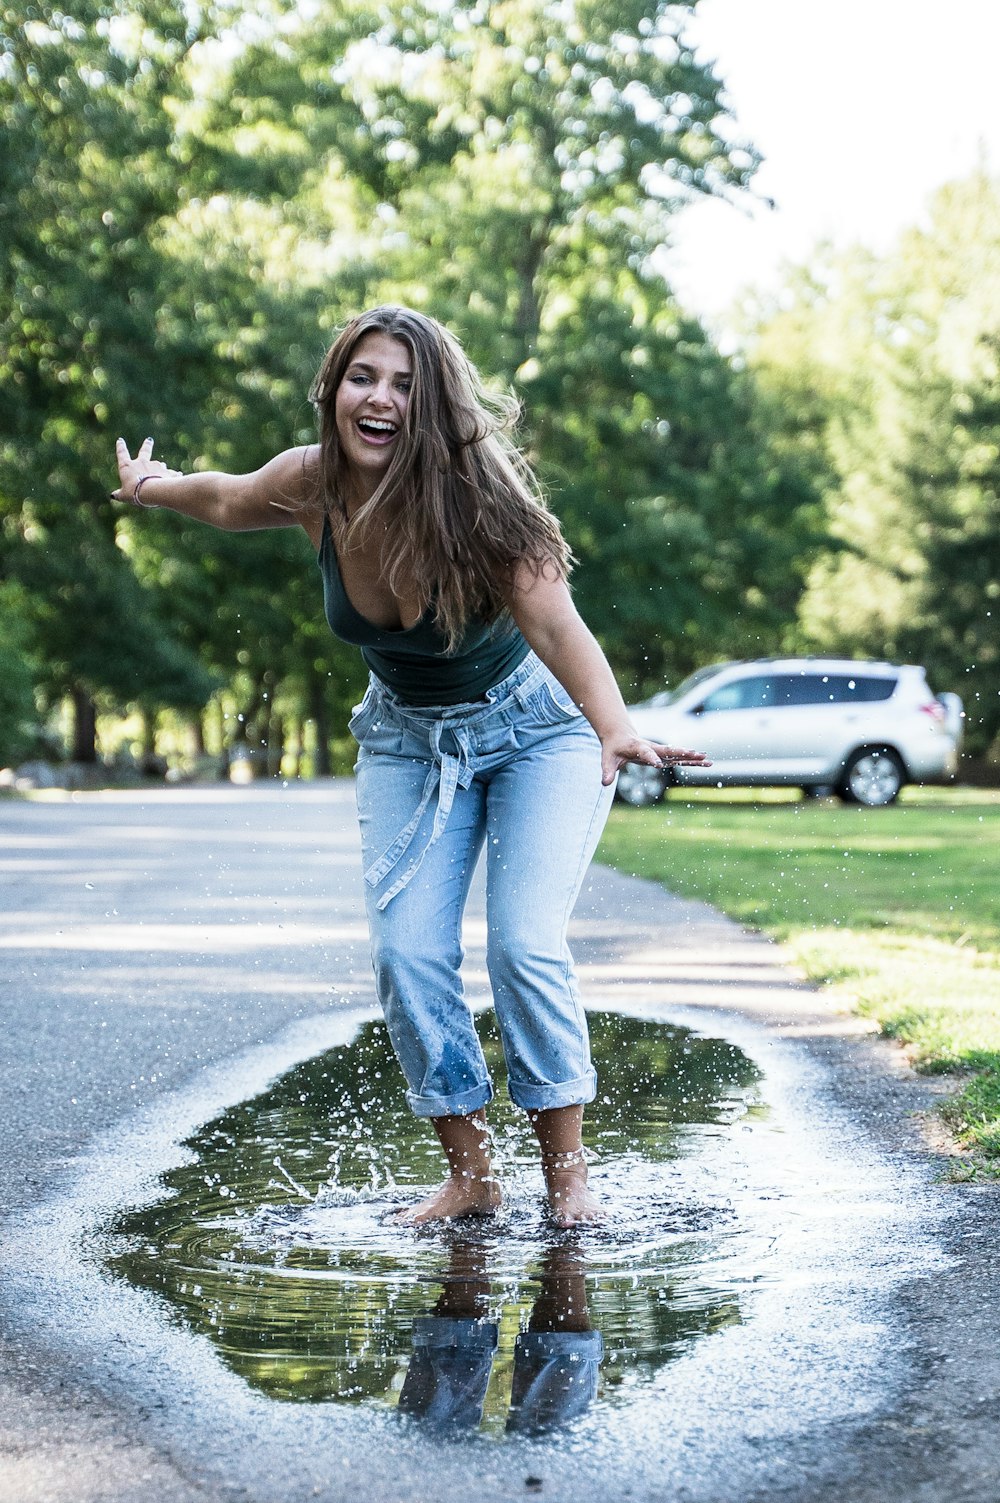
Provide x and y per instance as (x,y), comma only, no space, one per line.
(826,725)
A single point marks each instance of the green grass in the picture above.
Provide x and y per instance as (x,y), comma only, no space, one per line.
(896,910)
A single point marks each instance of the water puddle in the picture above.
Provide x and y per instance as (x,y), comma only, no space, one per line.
(225,1265)
(274,1238)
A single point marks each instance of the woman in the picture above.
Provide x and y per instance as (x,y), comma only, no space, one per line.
(441,561)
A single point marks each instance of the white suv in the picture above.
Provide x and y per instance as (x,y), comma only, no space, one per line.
(825,725)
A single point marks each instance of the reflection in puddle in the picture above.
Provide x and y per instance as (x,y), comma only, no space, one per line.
(275,1238)
(556,1360)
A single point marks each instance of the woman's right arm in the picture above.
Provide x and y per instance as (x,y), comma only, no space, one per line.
(276,495)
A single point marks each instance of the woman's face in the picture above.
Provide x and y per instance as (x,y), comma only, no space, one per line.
(371,405)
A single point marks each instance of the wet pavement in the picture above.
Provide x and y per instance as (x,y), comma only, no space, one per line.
(203,1294)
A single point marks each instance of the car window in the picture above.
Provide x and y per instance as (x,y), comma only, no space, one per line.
(742,694)
(808,688)
(671,696)
(803,689)
(870,690)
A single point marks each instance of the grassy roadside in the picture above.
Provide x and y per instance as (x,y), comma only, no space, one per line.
(896,910)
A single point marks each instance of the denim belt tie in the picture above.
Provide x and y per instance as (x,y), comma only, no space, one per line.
(449,772)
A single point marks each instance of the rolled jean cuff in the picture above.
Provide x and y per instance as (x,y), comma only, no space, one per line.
(542,1345)
(542,1096)
(455,1333)
(460,1104)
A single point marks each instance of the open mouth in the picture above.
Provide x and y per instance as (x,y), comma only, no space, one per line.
(377,431)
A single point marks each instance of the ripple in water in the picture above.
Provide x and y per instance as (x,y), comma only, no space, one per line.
(275,1237)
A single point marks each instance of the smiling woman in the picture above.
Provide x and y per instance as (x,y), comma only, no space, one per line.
(370,402)
(491,718)
(418,469)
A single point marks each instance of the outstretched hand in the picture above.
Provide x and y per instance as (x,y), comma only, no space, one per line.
(131,471)
(619,749)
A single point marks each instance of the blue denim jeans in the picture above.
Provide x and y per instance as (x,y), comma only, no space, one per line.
(519,771)
(555,1374)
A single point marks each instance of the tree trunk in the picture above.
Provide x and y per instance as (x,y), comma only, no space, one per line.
(318,714)
(275,745)
(84,741)
(292,751)
(528,319)
(148,736)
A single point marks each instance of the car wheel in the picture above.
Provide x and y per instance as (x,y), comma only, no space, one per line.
(872,777)
(638,786)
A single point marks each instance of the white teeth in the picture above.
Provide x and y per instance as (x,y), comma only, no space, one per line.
(379,426)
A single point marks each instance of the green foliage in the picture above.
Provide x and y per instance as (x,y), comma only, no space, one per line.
(17,679)
(693,534)
(974,1114)
(101,631)
(955,604)
(195,199)
(80,97)
(889,373)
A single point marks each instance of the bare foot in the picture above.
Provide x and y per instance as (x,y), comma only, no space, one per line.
(460,1195)
(571,1201)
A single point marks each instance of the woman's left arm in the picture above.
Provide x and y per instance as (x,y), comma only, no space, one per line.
(543,608)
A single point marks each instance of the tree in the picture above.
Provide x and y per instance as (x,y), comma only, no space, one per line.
(890,369)
(78,96)
(17,679)
(129,298)
(523,162)
(512,168)
(954,619)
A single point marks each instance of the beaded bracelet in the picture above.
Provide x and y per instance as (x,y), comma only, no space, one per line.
(148,505)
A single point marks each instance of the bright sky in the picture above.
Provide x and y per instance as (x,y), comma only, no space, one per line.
(861,108)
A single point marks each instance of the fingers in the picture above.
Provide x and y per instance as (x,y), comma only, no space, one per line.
(673,756)
(124,459)
(126,464)
(142,454)
(649,753)
(655,754)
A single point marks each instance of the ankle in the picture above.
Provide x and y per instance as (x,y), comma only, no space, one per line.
(573,1158)
(565,1174)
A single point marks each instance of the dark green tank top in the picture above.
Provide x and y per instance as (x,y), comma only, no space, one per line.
(412,661)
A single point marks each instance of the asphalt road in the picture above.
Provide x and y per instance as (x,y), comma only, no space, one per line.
(152,938)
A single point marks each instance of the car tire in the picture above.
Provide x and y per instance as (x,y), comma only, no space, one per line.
(872,777)
(639,786)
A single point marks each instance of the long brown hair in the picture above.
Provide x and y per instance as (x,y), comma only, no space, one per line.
(459,506)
